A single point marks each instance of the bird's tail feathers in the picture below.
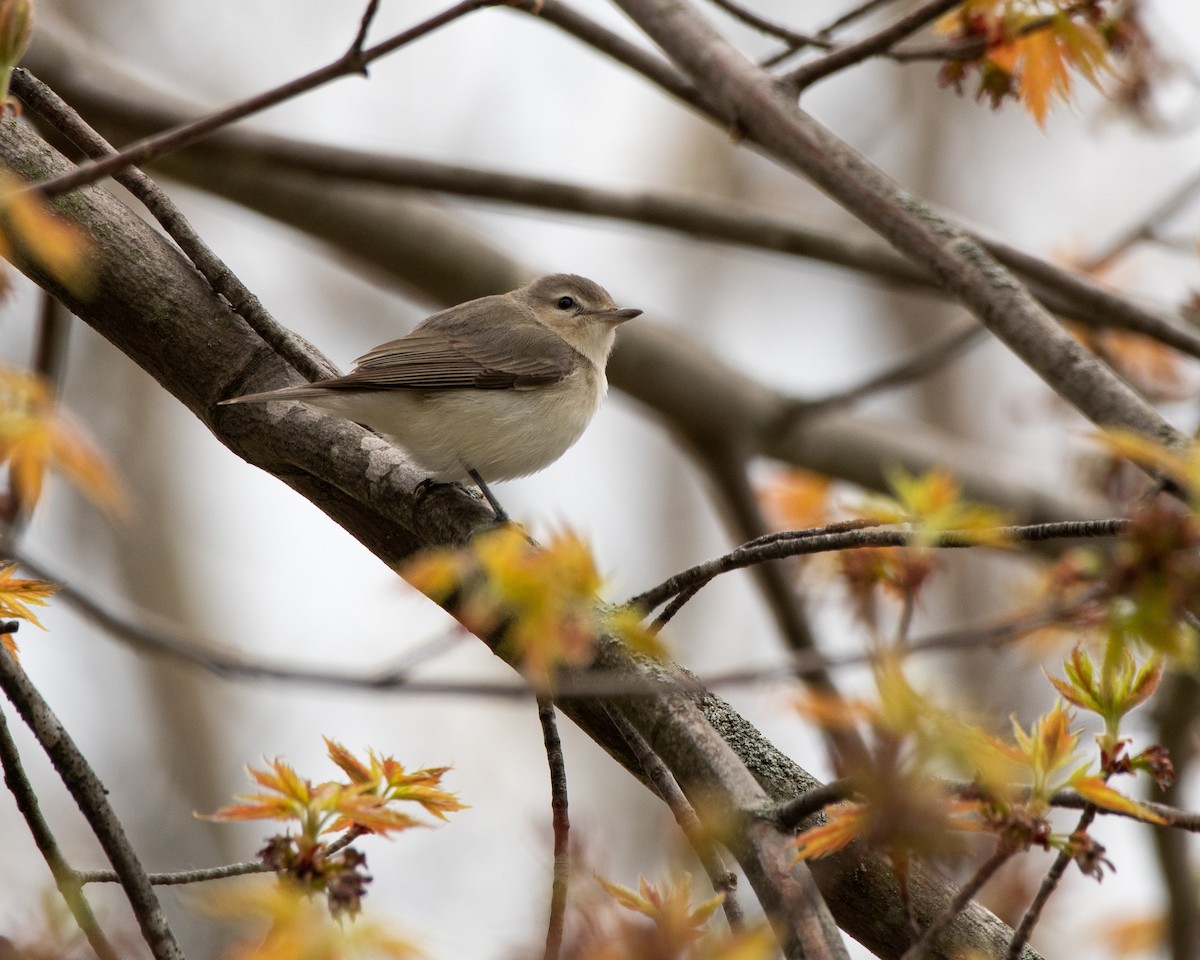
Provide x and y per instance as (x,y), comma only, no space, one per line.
(301,392)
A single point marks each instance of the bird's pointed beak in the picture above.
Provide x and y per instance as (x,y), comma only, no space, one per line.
(617,315)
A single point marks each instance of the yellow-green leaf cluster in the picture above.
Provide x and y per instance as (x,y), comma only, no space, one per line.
(661,922)
(1120,686)
(284,923)
(931,505)
(544,598)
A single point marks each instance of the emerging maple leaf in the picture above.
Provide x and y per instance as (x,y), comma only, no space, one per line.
(36,436)
(1032,48)
(798,499)
(17,594)
(386,778)
(366,804)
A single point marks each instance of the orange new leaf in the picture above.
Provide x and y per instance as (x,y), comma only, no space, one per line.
(16,595)
(843,825)
(1096,791)
(35,436)
(1044,75)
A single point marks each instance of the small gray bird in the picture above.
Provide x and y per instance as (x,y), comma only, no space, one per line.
(497,387)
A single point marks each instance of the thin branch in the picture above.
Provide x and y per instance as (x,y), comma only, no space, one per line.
(724,880)
(869,46)
(920,949)
(203,874)
(826,32)
(89,793)
(180,877)
(301,355)
(170,640)
(953,345)
(1145,228)
(54,326)
(354,61)
(794,38)
(807,542)
(69,884)
(1048,886)
(561,824)
(637,58)
(854,13)
(677,603)
(791,814)
(364,27)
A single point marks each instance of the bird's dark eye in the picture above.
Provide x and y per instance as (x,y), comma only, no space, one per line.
(566,303)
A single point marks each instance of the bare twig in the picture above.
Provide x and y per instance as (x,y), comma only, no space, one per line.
(870,46)
(352,62)
(793,813)
(826,32)
(634,56)
(225,871)
(170,640)
(677,603)
(54,325)
(965,895)
(67,880)
(1049,884)
(953,345)
(724,880)
(181,877)
(301,355)
(91,796)
(561,824)
(794,38)
(360,38)
(856,12)
(1145,228)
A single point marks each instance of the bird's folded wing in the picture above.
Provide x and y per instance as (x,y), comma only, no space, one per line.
(456,355)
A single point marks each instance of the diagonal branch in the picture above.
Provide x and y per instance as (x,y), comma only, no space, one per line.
(353,61)
(68,881)
(752,102)
(91,796)
(877,43)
